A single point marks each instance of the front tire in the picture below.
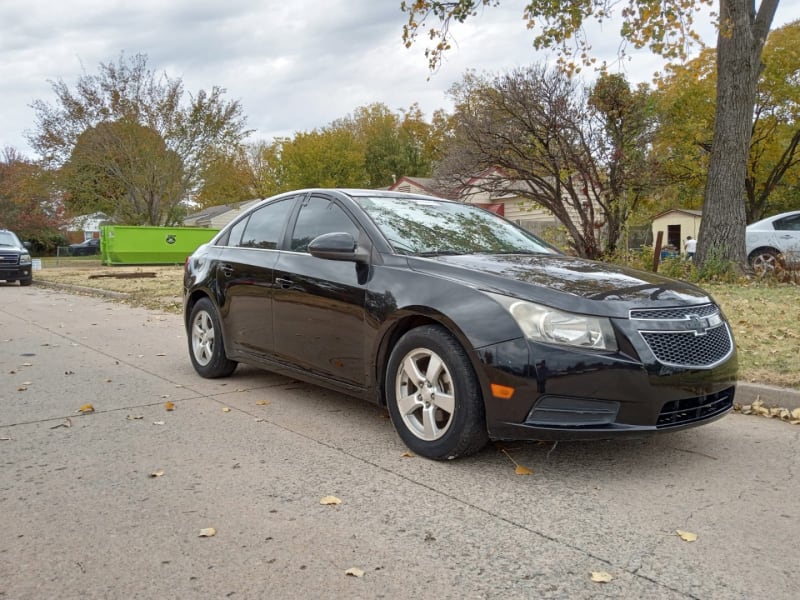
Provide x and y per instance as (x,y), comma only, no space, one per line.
(206,346)
(27,281)
(434,398)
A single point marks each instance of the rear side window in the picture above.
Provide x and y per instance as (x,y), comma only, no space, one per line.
(790,223)
(264,228)
(317,216)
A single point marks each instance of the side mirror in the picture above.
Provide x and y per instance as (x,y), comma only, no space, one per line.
(337,246)
(27,245)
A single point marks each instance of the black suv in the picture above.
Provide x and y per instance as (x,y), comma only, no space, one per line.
(15,260)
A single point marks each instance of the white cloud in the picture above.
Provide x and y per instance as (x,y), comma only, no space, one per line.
(293,65)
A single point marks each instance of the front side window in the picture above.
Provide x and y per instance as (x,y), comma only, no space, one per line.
(265,226)
(318,216)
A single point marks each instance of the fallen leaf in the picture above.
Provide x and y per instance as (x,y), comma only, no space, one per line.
(259,420)
(22,388)
(169,405)
(27,383)
(330,500)
(5,439)
(520,470)
(165,395)
(134,417)
(86,408)
(156,473)
(354,572)
(686,536)
(262,402)
(601,577)
(207,532)
(69,372)
(160,354)
(108,381)
(407,454)
(796,413)
(158,422)
(26,365)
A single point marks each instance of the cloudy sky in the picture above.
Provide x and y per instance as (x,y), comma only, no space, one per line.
(293,64)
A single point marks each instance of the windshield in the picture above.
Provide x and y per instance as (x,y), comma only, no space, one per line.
(8,239)
(429,227)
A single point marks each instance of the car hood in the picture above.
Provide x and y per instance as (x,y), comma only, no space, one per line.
(567,282)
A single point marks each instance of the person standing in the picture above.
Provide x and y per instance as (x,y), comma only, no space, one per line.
(691,247)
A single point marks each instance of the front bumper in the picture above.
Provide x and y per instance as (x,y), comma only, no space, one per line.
(568,394)
(15,272)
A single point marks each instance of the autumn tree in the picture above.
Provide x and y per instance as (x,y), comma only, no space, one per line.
(665,27)
(27,206)
(538,134)
(686,108)
(143,112)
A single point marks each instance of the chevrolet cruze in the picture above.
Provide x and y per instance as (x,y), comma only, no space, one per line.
(465,326)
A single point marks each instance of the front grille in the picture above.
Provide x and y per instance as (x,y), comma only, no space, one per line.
(681,412)
(675,314)
(9,259)
(688,349)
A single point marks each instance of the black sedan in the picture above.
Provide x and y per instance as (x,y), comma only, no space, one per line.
(88,247)
(465,326)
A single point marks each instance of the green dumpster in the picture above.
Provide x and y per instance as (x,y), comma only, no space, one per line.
(129,245)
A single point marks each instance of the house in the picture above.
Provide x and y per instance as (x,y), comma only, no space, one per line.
(85,227)
(675,224)
(216,217)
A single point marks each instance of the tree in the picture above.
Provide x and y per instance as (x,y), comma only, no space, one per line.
(665,26)
(535,133)
(26,205)
(686,108)
(227,177)
(123,113)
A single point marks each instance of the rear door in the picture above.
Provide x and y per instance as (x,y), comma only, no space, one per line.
(319,304)
(245,278)
(787,232)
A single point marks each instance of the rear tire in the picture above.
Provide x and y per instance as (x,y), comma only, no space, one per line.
(434,398)
(765,261)
(206,345)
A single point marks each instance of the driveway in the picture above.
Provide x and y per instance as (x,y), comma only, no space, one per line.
(253,455)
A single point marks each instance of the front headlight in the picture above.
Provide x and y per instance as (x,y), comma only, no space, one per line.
(24,259)
(544,324)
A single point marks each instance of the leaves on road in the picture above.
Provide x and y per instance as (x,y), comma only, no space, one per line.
(86,408)
(67,423)
(155,474)
(226,409)
(330,500)
(169,405)
(518,468)
(134,417)
(354,572)
(601,577)
(262,402)
(758,408)
(407,454)
(207,532)
(686,536)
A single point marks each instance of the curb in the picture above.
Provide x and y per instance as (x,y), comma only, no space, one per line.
(771,396)
(82,289)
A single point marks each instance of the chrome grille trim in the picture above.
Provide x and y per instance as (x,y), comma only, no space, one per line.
(682,313)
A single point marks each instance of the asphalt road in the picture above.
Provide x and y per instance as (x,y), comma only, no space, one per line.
(82,517)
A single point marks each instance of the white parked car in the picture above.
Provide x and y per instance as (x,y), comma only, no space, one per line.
(774,241)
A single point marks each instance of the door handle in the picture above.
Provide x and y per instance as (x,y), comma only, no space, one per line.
(227,270)
(284,283)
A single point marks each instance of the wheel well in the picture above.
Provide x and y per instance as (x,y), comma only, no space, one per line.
(762,249)
(193,299)
(390,340)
